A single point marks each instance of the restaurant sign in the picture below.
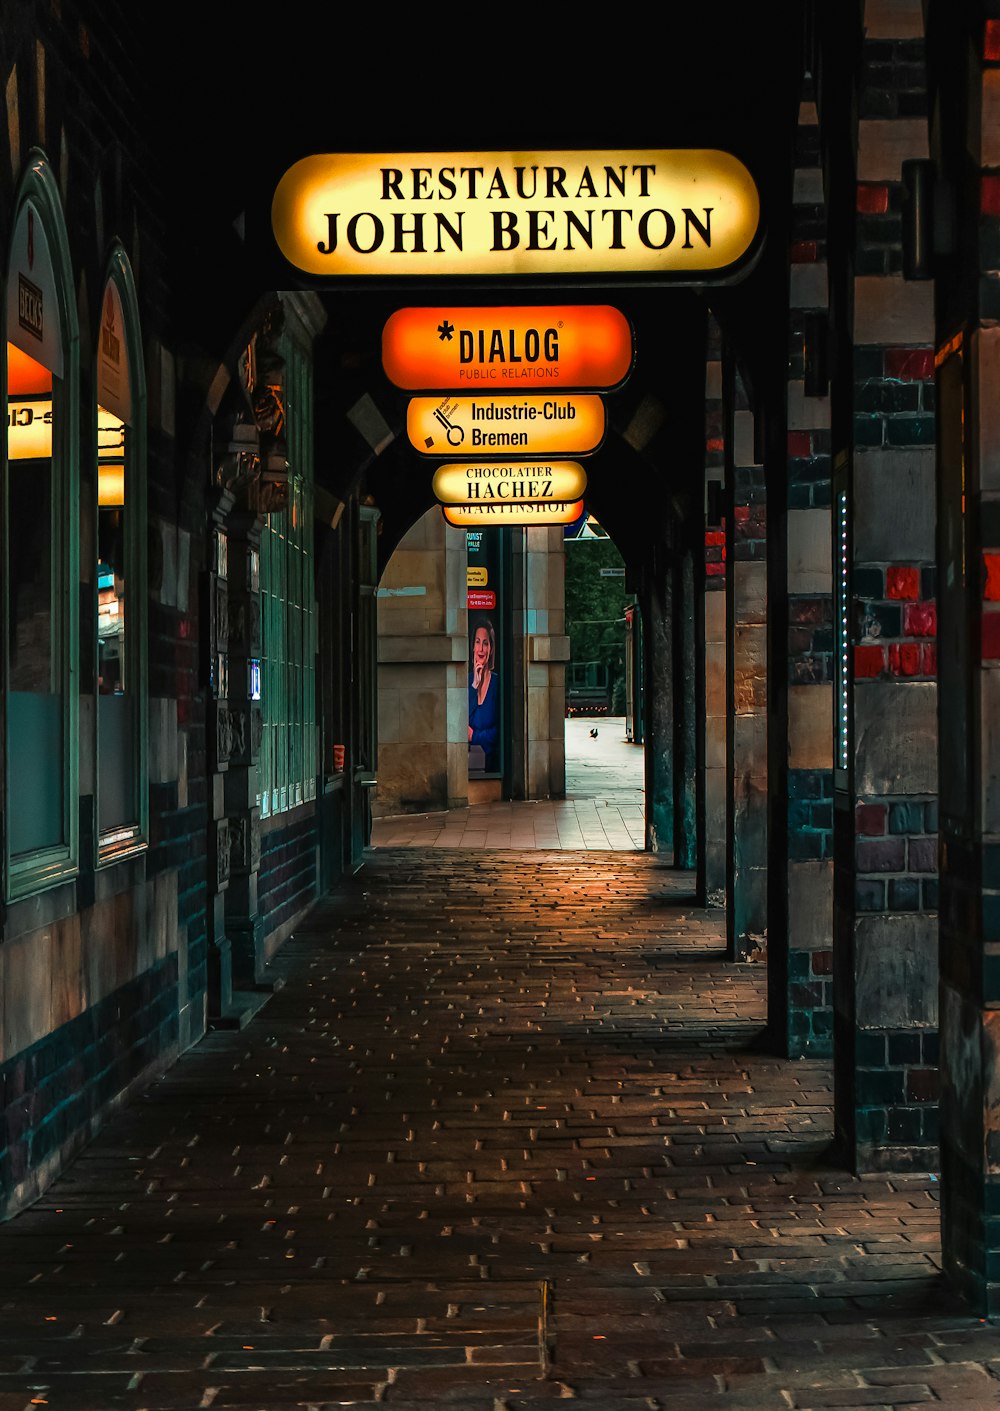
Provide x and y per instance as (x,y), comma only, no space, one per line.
(685,213)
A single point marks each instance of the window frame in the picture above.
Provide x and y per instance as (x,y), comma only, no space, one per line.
(42,868)
(114,843)
(289,753)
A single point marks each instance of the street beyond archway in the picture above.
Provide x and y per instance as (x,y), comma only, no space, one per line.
(603,809)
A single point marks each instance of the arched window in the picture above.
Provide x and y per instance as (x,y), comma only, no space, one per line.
(41,561)
(122,797)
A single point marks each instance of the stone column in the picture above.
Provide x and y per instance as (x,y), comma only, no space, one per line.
(423,704)
(658,734)
(805,1004)
(537,594)
(885,760)
(547,652)
(712,883)
(686,703)
(968,479)
(746,549)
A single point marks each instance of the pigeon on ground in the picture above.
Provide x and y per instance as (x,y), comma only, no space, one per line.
(593,733)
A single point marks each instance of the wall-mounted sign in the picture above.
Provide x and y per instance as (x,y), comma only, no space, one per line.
(33,322)
(685,213)
(507,481)
(114,389)
(29,431)
(29,428)
(534,512)
(480,599)
(515,349)
(531,426)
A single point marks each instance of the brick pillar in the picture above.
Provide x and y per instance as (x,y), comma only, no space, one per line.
(712,884)
(746,598)
(686,704)
(806,1001)
(969,567)
(885,951)
(658,644)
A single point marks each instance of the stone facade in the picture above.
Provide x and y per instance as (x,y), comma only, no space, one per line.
(423,671)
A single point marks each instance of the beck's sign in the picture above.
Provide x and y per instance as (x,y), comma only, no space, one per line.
(530,426)
(507,349)
(685,213)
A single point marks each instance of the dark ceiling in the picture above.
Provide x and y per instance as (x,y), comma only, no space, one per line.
(242,101)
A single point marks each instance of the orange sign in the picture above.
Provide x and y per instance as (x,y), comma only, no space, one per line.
(531,426)
(507,349)
(508,481)
(536,512)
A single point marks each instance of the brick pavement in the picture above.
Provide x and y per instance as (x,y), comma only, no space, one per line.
(506,1137)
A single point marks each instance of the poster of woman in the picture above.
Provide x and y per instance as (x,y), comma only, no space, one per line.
(484,699)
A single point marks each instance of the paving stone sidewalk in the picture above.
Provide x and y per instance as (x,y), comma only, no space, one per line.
(506,1137)
(603,809)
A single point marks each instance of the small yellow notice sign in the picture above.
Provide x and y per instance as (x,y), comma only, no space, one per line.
(507,481)
(484,426)
(523,512)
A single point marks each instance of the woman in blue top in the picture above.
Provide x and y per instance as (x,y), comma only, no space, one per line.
(484,695)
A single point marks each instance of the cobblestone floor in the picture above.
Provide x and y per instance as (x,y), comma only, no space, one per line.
(504,1138)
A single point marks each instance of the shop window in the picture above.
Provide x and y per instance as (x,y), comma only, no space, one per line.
(288,757)
(41,503)
(121,577)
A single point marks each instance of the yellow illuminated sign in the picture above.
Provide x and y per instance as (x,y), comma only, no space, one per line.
(29,429)
(505,482)
(507,349)
(476,577)
(686,212)
(110,486)
(531,425)
(533,513)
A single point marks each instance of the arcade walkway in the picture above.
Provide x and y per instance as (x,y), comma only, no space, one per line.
(504,1138)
